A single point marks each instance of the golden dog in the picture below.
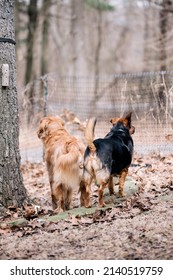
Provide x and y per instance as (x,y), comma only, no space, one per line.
(64,159)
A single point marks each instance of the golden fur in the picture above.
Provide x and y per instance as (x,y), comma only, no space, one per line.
(64,159)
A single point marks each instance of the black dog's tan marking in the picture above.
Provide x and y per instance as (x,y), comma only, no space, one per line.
(107,157)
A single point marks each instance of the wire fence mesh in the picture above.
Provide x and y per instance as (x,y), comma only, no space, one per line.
(149,95)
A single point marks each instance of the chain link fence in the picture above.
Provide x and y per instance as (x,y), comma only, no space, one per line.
(148,95)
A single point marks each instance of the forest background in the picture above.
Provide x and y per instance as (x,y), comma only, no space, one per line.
(90,37)
(102,57)
(78,58)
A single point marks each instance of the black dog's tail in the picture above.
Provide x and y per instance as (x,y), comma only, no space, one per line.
(89,134)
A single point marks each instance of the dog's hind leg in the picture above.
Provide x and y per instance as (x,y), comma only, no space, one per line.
(123,176)
(102,179)
(88,180)
(111,185)
(87,196)
(103,185)
(68,198)
(82,191)
(59,196)
(54,201)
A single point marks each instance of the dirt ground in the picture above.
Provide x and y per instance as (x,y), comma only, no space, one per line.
(138,227)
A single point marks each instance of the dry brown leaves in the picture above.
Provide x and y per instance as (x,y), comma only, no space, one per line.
(154,199)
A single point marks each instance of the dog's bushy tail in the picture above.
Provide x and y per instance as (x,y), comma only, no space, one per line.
(89,134)
(68,160)
(67,167)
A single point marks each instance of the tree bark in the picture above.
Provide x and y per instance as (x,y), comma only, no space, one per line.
(32,24)
(76,45)
(97,62)
(30,73)
(163,52)
(12,191)
(45,38)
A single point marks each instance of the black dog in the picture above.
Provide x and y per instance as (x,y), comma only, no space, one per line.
(107,157)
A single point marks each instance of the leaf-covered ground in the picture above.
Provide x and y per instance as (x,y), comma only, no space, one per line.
(137,227)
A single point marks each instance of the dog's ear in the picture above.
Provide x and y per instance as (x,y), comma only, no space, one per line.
(59,120)
(132,130)
(62,122)
(114,121)
(42,131)
(46,126)
(128,116)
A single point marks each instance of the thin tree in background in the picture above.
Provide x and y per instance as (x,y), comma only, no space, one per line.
(12,191)
(32,24)
(100,6)
(163,24)
(45,33)
(30,72)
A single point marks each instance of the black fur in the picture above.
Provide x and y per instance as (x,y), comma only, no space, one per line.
(115,149)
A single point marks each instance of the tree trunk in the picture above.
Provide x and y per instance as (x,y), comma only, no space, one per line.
(45,33)
(30,73)
(77,55)
(163,33)
(97,63)
(12,191)
(97,54)
(163,52)
(32,24)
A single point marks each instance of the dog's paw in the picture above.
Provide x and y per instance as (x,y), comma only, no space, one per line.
(58,210)
(87,205)
(111,192)
(82,204)
(101,205)
(122,194)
